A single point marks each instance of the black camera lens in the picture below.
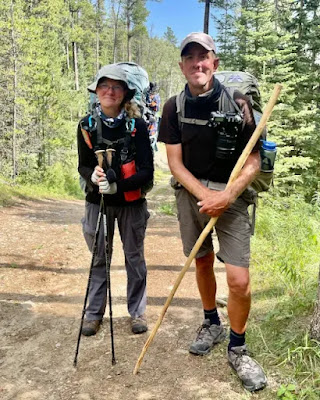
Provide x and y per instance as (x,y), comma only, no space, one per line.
(226,146)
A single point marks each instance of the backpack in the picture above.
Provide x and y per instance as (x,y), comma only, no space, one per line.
(247,84)
(138,78)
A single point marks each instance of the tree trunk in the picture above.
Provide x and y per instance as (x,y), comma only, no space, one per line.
(315,323)
(115,31)
(75,66)
(67,55)
(97,50)
(99,28)
(129,37)
(206,17)
(14,106)
(75,54)
(243,39)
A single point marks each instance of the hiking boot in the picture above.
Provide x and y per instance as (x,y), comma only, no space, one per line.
(208,335)
(248,370)
(139,324)
(90,328)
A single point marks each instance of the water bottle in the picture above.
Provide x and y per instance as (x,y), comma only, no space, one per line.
(268,155)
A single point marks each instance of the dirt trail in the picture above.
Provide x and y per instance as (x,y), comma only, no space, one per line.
(43,273)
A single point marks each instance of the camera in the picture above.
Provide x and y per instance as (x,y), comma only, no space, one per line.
(217,118)
(227,125)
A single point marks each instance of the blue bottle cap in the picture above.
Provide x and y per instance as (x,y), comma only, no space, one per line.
(269,145)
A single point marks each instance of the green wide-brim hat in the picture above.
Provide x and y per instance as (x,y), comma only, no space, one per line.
(112,71)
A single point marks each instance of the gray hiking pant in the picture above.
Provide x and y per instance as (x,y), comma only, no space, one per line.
(132,223)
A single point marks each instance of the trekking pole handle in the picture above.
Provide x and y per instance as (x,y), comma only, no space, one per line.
(235,173)
(109,156)
(99,154)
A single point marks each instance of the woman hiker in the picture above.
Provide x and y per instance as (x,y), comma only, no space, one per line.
(115,125)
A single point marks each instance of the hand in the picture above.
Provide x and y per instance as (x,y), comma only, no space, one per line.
(107,188)
(215,203)
(97,174)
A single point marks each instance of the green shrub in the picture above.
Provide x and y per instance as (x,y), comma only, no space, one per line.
(287,236)
(285,258)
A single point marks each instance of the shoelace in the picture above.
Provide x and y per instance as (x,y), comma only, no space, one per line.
(201,329)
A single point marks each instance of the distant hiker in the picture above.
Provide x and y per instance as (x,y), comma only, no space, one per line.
(115,124)
(203,146)
(151,113)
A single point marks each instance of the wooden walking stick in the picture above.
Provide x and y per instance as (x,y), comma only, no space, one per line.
(235,172)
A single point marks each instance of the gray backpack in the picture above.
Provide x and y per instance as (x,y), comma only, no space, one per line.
(138,78)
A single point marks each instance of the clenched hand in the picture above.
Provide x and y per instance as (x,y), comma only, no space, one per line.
(215,203)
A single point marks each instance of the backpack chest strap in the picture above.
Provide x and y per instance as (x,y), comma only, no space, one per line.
(194,121)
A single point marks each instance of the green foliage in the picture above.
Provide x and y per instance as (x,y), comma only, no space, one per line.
(287,392)
(273,40)
(167,209)
(11,192)
(51,52)
(282,225)
(285,258)
(63,179)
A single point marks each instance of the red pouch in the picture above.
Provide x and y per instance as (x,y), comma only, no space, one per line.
(128,170)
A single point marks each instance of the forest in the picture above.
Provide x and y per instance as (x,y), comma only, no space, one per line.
(51,50)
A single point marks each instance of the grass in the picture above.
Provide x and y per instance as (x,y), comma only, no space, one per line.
(161,176)
(285,265)
(167,209)
(58,181)
(10,192)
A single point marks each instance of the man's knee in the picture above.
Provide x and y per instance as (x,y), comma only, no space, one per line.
(205,262)
(239,284)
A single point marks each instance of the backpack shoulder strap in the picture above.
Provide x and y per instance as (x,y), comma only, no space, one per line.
(85,130)
(226,101)
(95,124)
(181,105)
(130,133)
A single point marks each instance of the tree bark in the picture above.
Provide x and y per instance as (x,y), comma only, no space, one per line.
(243,38)
(75,65)
(14,101)
(206,17)
(115,30)
(67,55)
(97,49)
(315,323)
(129,37)
(75,53)
(99,28)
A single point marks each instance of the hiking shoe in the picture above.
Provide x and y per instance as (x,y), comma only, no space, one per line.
(90,328)
(207,336)
(139,324)
(248,370)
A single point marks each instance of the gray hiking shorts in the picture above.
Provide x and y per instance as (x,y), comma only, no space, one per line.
(232,228)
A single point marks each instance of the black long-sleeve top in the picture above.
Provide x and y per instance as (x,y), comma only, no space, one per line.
(87,161)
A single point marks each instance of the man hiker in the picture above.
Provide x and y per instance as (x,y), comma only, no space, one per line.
(115,125)
(201,156)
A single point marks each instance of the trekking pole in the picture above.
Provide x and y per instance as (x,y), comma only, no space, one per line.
(234,174)
(107,252)
(94,249)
